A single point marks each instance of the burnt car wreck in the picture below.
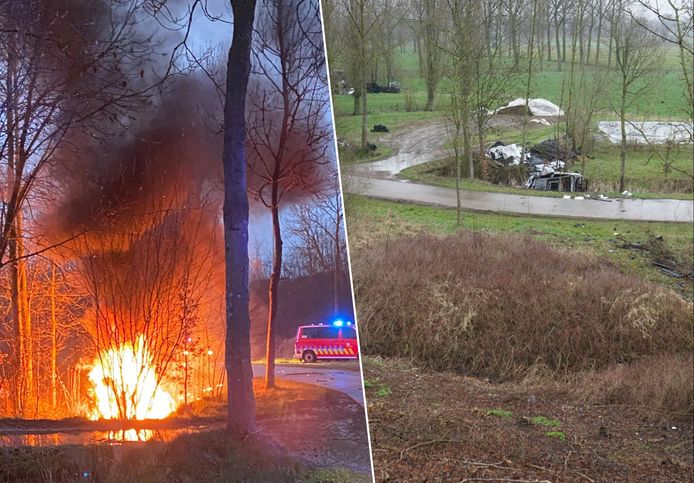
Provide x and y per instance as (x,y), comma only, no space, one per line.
(544,165)
(557,181)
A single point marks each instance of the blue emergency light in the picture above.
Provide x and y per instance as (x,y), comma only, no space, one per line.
(338,323)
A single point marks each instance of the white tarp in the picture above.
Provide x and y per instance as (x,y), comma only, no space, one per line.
(655,132)
(538,107)
(511,151)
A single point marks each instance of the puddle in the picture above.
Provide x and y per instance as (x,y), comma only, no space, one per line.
(100,437)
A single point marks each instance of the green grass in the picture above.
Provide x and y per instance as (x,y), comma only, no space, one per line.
(556,434)
(543,421)
(378,218)
(665,101)
(644,171)
(368,383)
(500,413)
(384,391)
(645,176)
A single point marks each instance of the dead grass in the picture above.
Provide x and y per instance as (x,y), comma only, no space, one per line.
(506,307)
(662,382)
(443,426)
(208,456)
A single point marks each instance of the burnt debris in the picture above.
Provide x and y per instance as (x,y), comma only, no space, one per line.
(545,163)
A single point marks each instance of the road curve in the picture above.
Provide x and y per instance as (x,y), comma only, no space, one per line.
(423,143)
(630,209)
(342,380)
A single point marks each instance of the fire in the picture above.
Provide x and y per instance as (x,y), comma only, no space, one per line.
(125,385)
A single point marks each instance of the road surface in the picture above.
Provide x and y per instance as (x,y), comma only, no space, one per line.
(342,380)
(423,143)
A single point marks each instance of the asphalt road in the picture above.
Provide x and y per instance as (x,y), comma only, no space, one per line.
(345,381)
(424,143)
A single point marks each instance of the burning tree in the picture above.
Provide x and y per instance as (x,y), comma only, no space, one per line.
(61,68)
(147,280)
(287,130)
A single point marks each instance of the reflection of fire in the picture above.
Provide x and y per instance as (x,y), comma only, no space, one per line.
(126,386)
(131,435)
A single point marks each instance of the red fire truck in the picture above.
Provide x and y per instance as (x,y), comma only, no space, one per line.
(335,341)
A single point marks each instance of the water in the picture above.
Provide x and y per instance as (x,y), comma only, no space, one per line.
(75,437)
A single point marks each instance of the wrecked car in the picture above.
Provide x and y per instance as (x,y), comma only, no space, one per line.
(557,181)
(392,87)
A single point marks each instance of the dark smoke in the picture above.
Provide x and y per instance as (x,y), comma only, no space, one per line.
(172,156)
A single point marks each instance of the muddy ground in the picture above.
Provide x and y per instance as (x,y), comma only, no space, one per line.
(441,427)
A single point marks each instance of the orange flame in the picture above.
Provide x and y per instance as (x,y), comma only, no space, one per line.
(126,387)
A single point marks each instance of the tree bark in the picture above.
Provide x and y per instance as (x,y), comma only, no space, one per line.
(623,143)
(273,294)
(338,255)
(241,401)
(54,345)
(599,35)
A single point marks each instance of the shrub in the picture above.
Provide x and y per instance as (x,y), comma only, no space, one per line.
(663,382)
(506,307)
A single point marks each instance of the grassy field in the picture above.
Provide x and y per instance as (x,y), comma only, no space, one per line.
(372,221)
(645,172)
(665,101)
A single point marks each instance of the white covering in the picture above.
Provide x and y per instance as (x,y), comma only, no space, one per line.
(655,132)
(511,151)
(538,107)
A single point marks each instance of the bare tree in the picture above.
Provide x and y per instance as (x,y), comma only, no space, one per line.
(318,228)
(62,70)
(287,130)
(636,60)
(675,25)
(146,279)
(430,27)
(361,21)
(241,401)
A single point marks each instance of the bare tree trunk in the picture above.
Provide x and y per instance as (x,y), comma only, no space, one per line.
(611,36)
(25,316)
(338,257)
(515,47)
(364,116)
(563,38)
(432,54)
(556,38)
(362,79)
(549,39)
(241,401)
(528,84)
(484,163)
(623,143)
(467,149)
(599,35)
(54,344)
(457,176)
(590,34)
(273,294)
